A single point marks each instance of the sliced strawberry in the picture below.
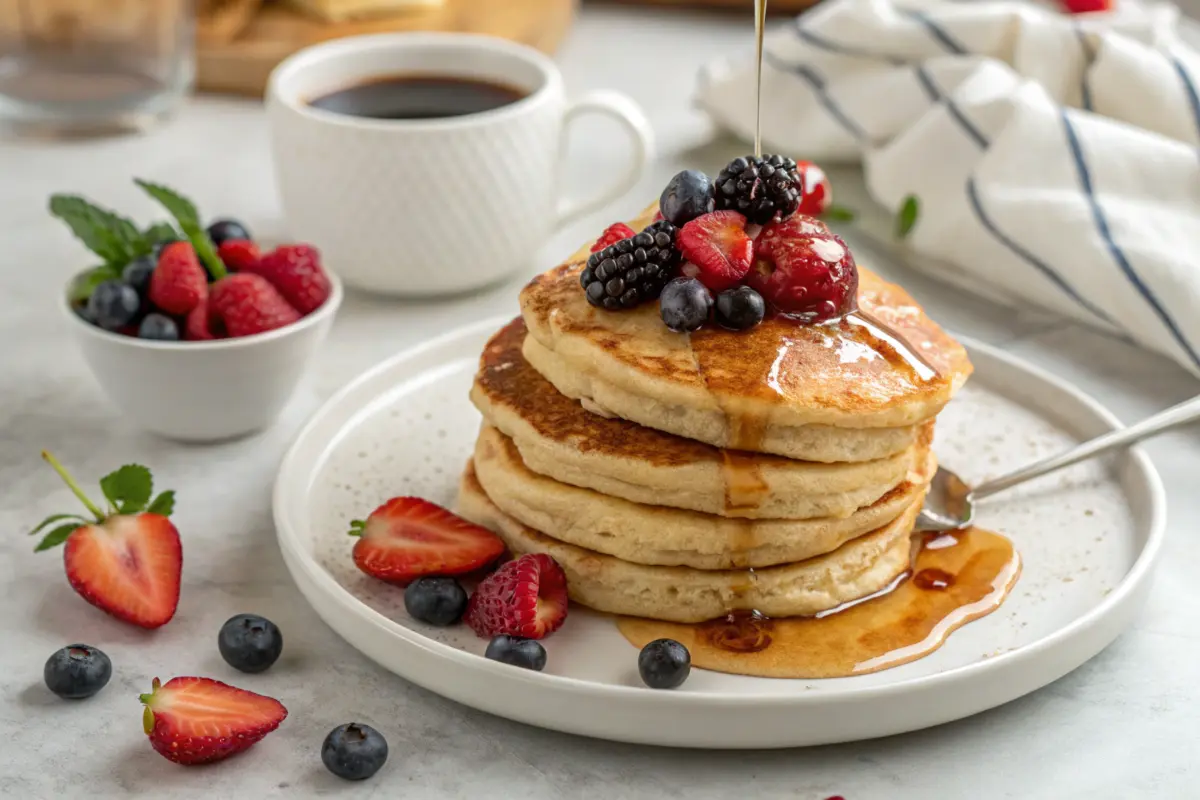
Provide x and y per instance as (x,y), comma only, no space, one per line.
(816,192)
(407,538)
(718,249)
(239,255)
(526,598)
(129,560)
(613,234)
(199,720)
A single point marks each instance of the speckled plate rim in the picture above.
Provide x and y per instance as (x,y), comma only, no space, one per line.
(765,719)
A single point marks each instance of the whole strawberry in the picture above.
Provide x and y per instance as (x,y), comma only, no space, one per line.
(199,720)
(247,304)
(525,598)
(178,284)
(295,270)
(127,561)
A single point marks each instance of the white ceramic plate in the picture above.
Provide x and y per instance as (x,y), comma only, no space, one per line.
(1089,538)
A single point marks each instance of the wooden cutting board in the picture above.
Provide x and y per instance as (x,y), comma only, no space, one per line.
(237,56)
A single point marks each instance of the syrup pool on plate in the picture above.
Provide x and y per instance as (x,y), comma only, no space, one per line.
(955,578)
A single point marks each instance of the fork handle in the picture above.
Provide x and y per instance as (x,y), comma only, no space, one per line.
(1173,417)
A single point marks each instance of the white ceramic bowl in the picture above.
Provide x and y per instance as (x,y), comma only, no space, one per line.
(203,391)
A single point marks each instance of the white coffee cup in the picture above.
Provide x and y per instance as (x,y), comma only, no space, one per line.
(427,207)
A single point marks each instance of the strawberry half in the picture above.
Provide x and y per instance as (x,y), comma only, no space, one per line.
(718,249)
(128,561)
(526,598)
(407,538)
(199,720)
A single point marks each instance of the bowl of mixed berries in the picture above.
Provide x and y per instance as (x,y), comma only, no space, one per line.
(194,331)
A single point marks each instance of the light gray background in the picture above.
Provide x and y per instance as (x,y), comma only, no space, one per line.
(1123,726)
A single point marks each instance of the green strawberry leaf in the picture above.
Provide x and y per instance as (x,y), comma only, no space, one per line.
(83,286)
(839,214)
(906,220)
(357,526)
(56,537)
(53,518)
(110,236)
(161,233)
(128,489)
(164,504)
(185,213)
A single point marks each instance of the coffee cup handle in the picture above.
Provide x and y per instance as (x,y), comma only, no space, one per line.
(641,138)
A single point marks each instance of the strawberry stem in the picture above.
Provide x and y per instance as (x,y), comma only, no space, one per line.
(73,486)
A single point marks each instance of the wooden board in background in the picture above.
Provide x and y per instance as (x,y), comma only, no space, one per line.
(242,64)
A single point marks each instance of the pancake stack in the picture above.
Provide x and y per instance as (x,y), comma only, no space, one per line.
(684,477)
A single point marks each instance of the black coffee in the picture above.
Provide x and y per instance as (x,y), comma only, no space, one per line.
(417,97)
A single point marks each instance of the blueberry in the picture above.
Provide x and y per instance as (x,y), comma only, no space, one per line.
(225,229)
(438,601)
(664,664)
(740,308)
(354,751)
(685,304)
(249,642)
(113,305)
(77,671)
(159,327)
(137,274)
(688,195)
(518,652)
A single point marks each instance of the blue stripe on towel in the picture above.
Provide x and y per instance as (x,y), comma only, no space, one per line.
(1085,182)
(821,43)
(1085,86)
(936,31)
(1189,87)
(931,88)
(817,83)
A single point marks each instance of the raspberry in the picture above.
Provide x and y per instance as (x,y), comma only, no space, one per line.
(248,304)
(717,248)
(239,255)
(198,325)
(613,234)
(526,598)
(816,193)
(804,270)
(762,188)
(178,284)
(295,270)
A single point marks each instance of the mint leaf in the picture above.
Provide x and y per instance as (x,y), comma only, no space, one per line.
(839,214)
(50,520)
(164,504)
(114,238)
(128,489)
(185,213)
(906,220)
(83,286)
(56,537)
(161,233)
(357,526)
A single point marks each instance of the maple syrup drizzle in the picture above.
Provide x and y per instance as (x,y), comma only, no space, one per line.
(760,23)
(865,330)
(967,575)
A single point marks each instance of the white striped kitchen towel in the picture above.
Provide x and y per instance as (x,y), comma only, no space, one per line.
(1055,158)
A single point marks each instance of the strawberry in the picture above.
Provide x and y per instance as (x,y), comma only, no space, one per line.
(178,283)
(718,249)
(1086,6)
(613,234)
(526,598)
(804,270)
(128,560)
(247,304)
(407,538)
(295,270)
(198,326)
(816,193)
(199,720)
(239,255)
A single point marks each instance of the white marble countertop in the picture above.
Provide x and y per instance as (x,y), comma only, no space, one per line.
(1123,726)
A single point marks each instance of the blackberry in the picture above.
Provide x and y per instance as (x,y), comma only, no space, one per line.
(632,271)
(760,187)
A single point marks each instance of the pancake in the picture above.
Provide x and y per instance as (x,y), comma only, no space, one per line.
(558,438)
(661,536)
(875,373)
(678,594)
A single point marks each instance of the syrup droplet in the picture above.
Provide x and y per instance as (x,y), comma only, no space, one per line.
(739,632)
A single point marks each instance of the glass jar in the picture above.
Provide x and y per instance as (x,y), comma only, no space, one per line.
(93,66)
